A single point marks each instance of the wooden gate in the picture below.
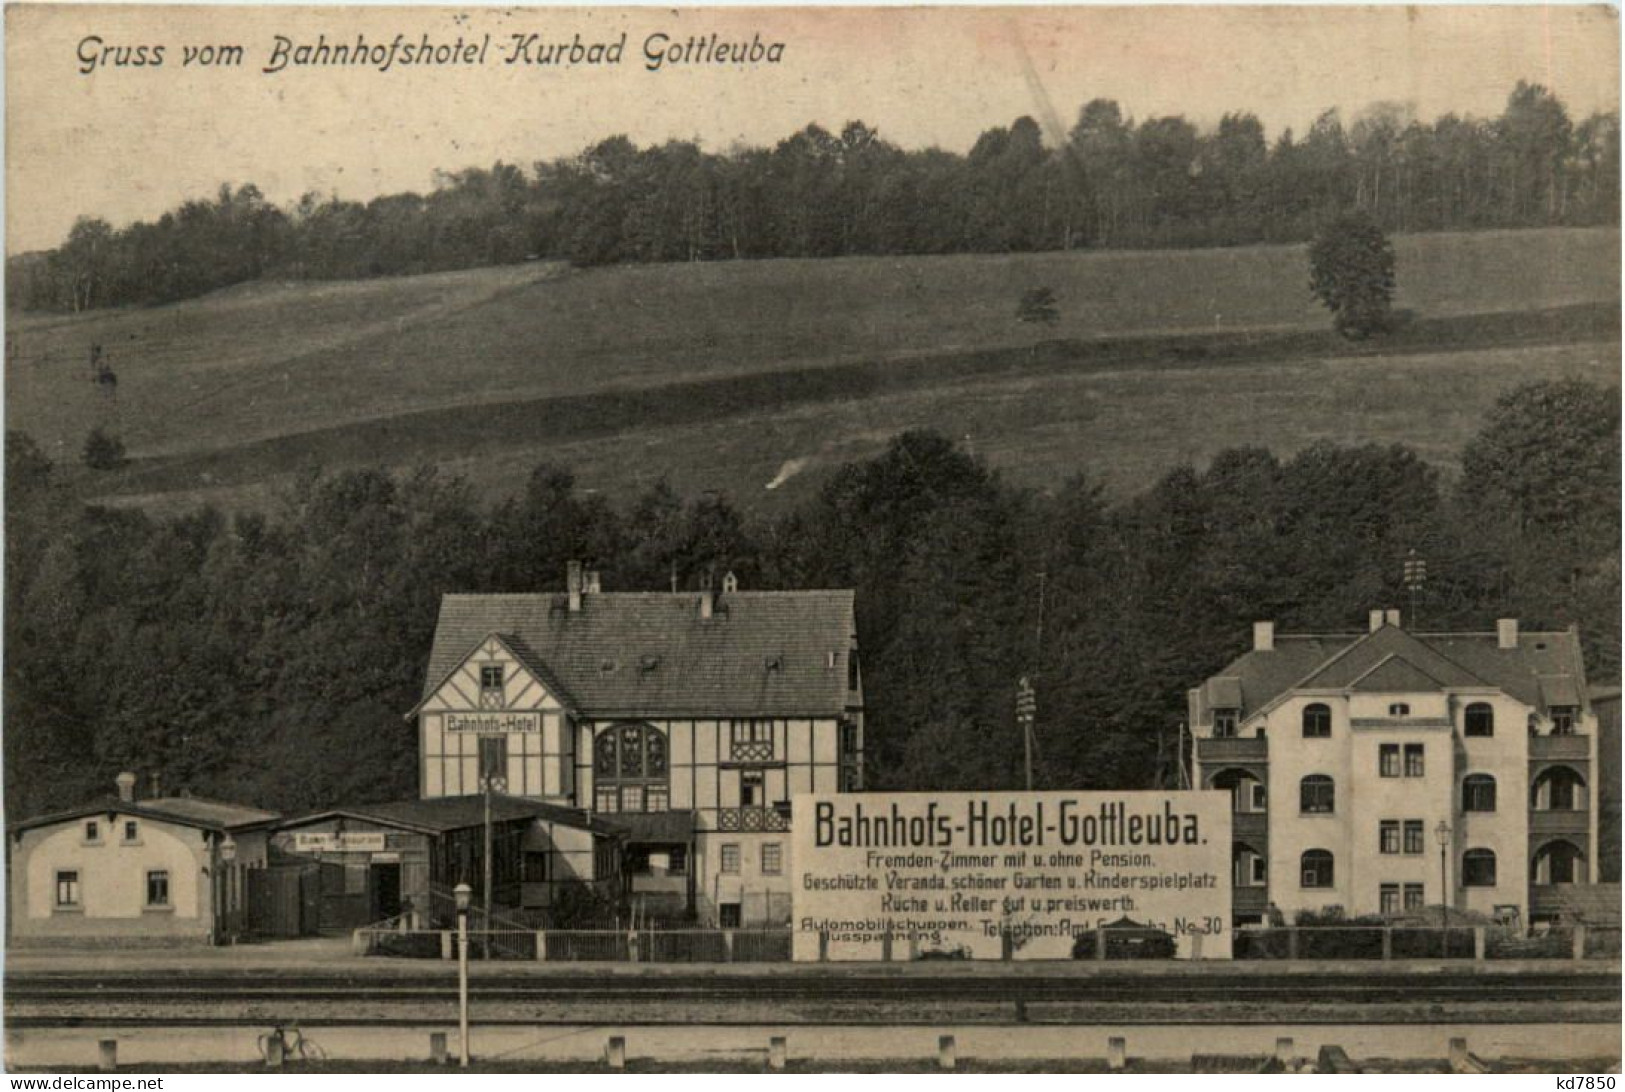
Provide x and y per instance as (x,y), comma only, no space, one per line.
(279,903)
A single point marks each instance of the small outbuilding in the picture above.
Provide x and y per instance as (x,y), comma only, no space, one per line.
(118,871)
(375,862)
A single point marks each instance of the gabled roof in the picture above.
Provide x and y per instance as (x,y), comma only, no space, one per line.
(1451,661)
(761,654)
(1396,676)
(440,814)
(520,653)
(185,811)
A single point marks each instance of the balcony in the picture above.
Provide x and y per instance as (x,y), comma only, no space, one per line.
(1233,750)
(1249,900)
(1250,827)
(751,750)
(1565,748)
(1559,822)
(752,820)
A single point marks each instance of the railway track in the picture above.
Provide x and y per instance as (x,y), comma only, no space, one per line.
(1347,988)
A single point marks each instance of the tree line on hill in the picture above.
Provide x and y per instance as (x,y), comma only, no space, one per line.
(1112,182)
(269,656)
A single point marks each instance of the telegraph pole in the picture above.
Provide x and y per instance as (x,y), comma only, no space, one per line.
(1026,711)
(1416,577)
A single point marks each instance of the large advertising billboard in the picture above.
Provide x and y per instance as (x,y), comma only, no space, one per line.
(1020,875)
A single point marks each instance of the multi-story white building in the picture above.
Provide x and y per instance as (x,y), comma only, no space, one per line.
(689,719)
(1389,771)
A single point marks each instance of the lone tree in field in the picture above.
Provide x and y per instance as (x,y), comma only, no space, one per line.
(103,451)
(1038,306)
(1351,271)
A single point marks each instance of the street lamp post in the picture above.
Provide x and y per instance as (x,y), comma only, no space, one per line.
(464,895)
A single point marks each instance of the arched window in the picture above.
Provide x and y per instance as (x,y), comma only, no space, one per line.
(1317,721)
(1316,795)
(1558,789)
(1478,868)
(1479,720)
(1316,867)
(1246,791)
(1559,862)
(1478,792)
(630,769)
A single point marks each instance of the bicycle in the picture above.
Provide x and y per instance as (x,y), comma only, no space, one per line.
(295,1045)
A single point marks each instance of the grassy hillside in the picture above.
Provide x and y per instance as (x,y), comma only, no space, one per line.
(722,374)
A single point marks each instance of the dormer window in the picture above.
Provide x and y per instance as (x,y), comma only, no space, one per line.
(1562,720)
(1225,722)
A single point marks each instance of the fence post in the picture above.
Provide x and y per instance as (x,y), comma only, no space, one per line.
(1196,946)
(885,947)
(107,1055)
(946,1054)
(1387,943)
(541,945)
(823,946)
(445,944)
(360,942)
(1116,1053)
(776,1052)
(1458,1052)
(1480,941)
(615,1052)
(632,947)
(1292,942)
(1284,1052)
(1100,944)
(1579,942)
(437,1047)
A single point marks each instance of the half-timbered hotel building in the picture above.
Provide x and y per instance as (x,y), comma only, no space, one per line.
(689,720)
(1391,770)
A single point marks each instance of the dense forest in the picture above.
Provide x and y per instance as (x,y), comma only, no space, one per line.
(1113,182)
(269,657)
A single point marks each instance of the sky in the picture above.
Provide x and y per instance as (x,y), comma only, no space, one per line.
(127,143)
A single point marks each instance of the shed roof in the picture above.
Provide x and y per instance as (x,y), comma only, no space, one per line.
(767,653)
(187,811)
(441,814)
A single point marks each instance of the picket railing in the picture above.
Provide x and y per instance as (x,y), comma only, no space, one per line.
(584,945)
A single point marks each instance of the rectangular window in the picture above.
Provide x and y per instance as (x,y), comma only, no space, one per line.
(679,860)
(1260,870)
(1388,838)
(1414,896)
(67,888)
(1388,900)
(158,888)
(490,676)
(132,831)
(753,731)
(1414,837)
(1388,759)
(730,857)
(1399,709)
(751,791)
(1259,798)
(494,762)
(93,832)
(1563,720)
(1413,760)
(772,859)
(657,798)
(609,798)
(534,865)
(632,798)
(1224,723)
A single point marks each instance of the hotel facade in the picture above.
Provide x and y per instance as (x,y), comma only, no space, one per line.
(1391,771)
(686,720)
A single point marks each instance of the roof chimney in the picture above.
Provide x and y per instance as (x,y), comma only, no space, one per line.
(1393,618)
(1506,633)
(573,583)
(1376,620)
(730,582)
(126,786)
(1263,636)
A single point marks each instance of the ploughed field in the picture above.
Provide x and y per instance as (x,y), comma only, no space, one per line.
(737,376)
